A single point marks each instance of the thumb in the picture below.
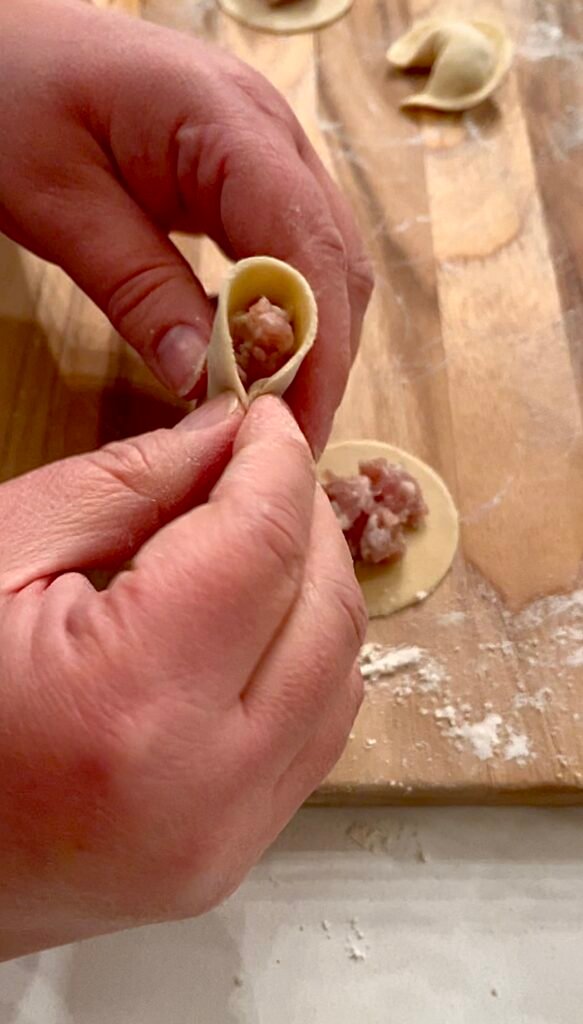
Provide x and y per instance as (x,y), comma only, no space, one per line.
(134,273)
(97,509)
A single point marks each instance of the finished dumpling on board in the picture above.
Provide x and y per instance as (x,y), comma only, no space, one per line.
(286,17)
(468,59)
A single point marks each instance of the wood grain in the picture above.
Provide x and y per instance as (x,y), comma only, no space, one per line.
(472,358)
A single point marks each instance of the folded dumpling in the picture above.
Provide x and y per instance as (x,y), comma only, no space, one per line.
(265,325)
(467,60)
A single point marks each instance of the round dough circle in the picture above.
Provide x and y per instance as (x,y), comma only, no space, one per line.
(430,548)
(288,18)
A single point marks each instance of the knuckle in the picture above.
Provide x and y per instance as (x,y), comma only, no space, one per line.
(274,523)
(263,94)
(350,603)
(137,289)
(338,745)
(278,534)
(126,460)
(346,715)
(323,762)
(130,463)
(356,691)
(333,747)
(330,248)
(361,274)
(295,448)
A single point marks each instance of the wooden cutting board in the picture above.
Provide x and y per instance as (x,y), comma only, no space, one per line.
(472,358)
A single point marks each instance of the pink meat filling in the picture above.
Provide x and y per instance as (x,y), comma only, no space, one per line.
(263,340)
(375,508)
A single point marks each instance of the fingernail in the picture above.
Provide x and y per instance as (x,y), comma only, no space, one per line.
(180,359)
(211,413)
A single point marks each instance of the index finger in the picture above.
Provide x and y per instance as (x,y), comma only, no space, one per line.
(271,204)
(211,589)
(360,278)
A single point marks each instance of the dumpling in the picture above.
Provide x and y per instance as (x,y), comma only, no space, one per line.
(286,17)
(265,325)
(467,59)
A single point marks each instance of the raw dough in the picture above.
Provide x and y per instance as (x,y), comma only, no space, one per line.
(286,18)
(430,549)
(468,60)
(247,281)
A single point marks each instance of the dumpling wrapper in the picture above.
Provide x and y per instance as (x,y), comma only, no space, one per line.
(468,60)
(248,281)
(430,548)
(286,18)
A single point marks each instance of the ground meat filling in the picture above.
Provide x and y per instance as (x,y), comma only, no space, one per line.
(375,508)
(263,340)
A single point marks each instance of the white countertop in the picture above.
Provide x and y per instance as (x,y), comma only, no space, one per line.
(354,917)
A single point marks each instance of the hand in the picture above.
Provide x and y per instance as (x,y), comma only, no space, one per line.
(156,736)
(114,131)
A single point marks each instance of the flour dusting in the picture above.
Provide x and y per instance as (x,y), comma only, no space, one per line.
(464,693)
(575,660)
(539,700)
(373,840)
(545,609)
(354,952)
(377,661)
(546,41)
(483,736)
(452,618)
(397,842)
(566,133)
(517,747)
